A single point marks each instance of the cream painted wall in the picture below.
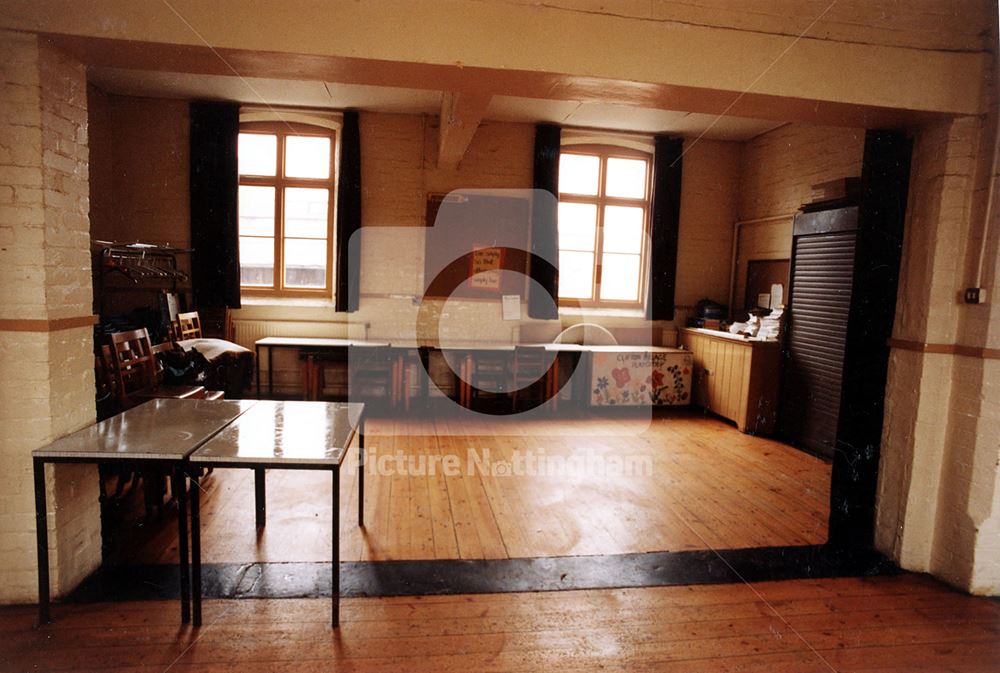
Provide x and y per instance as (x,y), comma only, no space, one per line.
(139,181)
(778,170)
(709,201)
(46,365)
(939,486)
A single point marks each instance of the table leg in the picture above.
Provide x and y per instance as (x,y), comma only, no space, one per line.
(335,565)
(195,548)
(42,540)
(257,349)
(555,384)
(361,473)
(408,384)
(260,498)
(425,378)
(394,396)
(270,373)
(178,486)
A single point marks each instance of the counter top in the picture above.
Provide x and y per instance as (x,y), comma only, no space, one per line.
(719,334)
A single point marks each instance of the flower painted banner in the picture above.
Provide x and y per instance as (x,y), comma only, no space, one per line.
(638,378)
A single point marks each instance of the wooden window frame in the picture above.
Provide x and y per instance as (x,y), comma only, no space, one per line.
(281,130)
(605,152)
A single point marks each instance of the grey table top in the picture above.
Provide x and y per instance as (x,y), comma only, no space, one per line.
(319,342)
(161,429)
(285,434)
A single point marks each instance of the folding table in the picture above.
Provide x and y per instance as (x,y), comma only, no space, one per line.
(160,432)
(285,436)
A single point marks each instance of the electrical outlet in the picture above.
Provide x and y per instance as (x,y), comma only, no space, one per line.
(975,295)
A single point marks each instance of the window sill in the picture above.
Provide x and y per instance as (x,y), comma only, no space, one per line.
(304,302)
(603,312)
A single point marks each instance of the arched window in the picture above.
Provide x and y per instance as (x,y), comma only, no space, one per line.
(604,194)
(286,208)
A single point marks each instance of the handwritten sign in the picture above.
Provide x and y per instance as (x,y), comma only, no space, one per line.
(485,272)
(637,379)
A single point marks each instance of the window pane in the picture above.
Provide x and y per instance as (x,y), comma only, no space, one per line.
(306,212)
(578,174)
(257,154)
(577,224)
(619,277)
(256,209)
(307,157)
(305,263)
(626,177)
(623,229)
(257,261)
(576,274)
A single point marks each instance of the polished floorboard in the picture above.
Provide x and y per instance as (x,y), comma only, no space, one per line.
(695,483)
(896,624)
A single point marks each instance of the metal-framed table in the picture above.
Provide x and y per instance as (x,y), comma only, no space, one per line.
(160,432)
(318,343)
(287,436)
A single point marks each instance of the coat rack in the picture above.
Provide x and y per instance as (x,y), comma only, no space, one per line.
(148,266)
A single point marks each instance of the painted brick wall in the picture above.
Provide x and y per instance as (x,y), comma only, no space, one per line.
(780,167)
(778,170)
(711,170)
(399,169)
(48,385)
(939,501)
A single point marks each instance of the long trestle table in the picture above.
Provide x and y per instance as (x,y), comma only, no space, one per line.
(408,355)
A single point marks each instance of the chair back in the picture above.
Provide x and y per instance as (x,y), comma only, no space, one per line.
(188,326)
(133,364)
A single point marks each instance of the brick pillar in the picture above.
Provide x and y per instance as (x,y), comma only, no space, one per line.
(939,476)
(46,338)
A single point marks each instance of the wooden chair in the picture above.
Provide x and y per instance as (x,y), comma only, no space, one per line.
(486,373)
(530,366)
(371,374)
(188,326)
(232,371)
(134,371)
(135,377)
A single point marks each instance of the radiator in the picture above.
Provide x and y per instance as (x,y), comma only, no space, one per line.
(247,332)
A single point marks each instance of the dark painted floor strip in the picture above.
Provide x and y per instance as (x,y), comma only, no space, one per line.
(423,578)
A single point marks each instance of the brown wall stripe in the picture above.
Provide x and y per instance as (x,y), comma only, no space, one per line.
(946,349)
(40,325)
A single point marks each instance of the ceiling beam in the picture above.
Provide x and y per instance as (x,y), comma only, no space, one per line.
(461,113)
(102,52)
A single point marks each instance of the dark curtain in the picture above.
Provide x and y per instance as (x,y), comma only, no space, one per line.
(348,285)
(215,262)
(665,224)
(543,299)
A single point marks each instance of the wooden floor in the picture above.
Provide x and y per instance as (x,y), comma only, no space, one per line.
(888,624)
(701,484)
